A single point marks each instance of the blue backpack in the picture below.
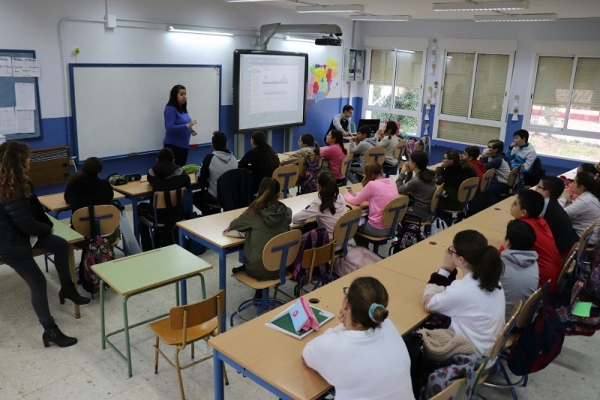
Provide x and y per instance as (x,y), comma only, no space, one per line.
(312,172)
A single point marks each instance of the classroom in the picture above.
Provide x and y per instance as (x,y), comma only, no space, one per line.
(65,33)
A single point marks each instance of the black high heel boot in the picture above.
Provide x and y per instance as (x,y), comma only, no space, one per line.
(53,335)
(69,292)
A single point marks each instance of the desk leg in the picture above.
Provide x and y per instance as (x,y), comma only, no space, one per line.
(183,285)
(73,276)
(223,284)
(136,217)
(126,331)
(102,325)
(218,376)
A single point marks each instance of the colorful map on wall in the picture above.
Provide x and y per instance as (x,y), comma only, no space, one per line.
(322,81)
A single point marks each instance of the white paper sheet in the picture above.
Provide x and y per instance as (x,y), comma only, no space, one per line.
(7,121)
(33,67)
(19,65)
(6,66)
(25,96)
(24,121)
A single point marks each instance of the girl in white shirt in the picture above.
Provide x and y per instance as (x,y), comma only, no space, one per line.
(389,140)
(476,302)
(585,209)
(364,357)
(327,208)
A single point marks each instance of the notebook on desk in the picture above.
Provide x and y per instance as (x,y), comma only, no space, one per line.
(283,322)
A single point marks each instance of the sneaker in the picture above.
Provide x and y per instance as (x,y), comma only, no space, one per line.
(238,269)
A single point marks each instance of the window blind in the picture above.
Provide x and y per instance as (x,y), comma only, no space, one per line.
(382,67)
(490,86)
(552,81)
(457,84)
(586,89)
(408,69)
(467,133)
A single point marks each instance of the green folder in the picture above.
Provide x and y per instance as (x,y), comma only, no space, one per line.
(283,322)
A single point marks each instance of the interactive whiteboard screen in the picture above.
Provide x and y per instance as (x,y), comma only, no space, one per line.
(269,89)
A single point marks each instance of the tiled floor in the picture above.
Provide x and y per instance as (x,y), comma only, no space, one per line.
(30,371)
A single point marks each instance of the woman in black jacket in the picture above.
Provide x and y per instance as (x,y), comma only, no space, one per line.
(452,173)
(86,188)
(261,160)
(19,229)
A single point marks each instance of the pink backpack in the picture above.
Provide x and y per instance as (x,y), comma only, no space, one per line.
(356,258)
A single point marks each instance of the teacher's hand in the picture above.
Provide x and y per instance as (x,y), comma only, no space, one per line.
(192,123)
(194,133)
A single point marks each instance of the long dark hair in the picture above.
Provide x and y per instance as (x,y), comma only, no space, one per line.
(368,299)
(589,182)
(329,192)
(483,259)
(309,140)
(454,156)
(260,139)
(392,127)
(268,192)
(14,171)
(421,160)
(173,99)
(339,139)
(91,168)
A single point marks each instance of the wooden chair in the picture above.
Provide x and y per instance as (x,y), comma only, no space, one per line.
(279,253)
(187,325)
(486,179)
(393,213)
(513,180)
(466,192)
(583,243)
(400,152)
(426,145)
(345,167)
(302,165)
(161,204)
(570,263)
(312,258)
(287,176)
(375,155)
(106,220)
(433,208)
(456,391)
(345,229)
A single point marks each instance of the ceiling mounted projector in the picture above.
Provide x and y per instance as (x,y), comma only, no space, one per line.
(330,40)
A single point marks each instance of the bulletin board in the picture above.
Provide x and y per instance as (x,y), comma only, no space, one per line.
(8,99)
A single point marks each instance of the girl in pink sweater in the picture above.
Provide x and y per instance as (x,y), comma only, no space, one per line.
(378,192)
(334,154)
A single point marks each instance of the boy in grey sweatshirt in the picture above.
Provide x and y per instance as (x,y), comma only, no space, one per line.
(359,146)
(521,271)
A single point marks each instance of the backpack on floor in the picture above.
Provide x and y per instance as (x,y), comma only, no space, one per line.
(356,258)
(410,234)
(312,172)
(97,251)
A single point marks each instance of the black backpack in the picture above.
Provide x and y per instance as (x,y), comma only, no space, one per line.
(410,234)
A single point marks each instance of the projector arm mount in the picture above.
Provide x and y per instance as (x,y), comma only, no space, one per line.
(268,31)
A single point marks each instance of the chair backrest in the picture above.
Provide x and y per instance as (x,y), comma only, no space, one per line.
(570,261)
(436,198)
(393,213)
(530,306)
(346,227)
(312,258)
(286,175)
(513,177)
(195,314)
(486,179)
(375,155)
(160,201)
(106,218)
(584,240)
(234,189)
(400,150)
(302,164)
(508,327)
(452,391)
(281,251)
(345,167)
(419,145)
(467,189)
(426,145)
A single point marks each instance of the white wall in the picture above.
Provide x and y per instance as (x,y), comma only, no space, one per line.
(36,25)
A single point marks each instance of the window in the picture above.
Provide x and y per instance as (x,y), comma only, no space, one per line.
(564,119)
(473,102)
(395,88)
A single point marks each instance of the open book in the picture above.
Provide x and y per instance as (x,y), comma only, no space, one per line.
(283,322)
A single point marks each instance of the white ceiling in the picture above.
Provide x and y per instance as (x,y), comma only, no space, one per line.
(423,9)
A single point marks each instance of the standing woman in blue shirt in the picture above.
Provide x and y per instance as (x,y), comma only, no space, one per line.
(178,125)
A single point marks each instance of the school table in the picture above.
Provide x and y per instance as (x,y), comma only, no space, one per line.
(274,360)
(140,273)
(570,174)
(135,191)
(56,202)
(494,217)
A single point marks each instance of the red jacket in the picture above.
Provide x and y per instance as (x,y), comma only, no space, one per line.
(479,168)
(549,260)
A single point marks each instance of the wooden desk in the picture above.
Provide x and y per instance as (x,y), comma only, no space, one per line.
(274,360)
(570,174)
(494,217)
(141,273)
(56,202)
(135,191)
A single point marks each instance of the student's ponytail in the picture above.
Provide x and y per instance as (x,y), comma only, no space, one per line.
(484,260)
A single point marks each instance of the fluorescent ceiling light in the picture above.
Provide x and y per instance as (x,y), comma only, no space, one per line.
(293,39)
(487,6)
(171,29)
(406,51)
(350,8)
(380,17)
(515,18)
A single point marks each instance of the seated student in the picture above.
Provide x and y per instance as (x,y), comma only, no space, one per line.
(261,160)
(378,192)
(416,181)
(86,188)
(494,157)
(388,140)
(471,155)
(452,173)
(527,208)
(551,187)
(585,209)
(521,272)
(163,176)
(327,208)
(364,357)
(213,166)
(476,302)
(521,151)
(585,167)
(334,155)
(308,147)
(264,219)
(358,147)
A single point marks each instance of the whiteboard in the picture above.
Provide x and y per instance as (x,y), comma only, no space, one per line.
(118,109)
